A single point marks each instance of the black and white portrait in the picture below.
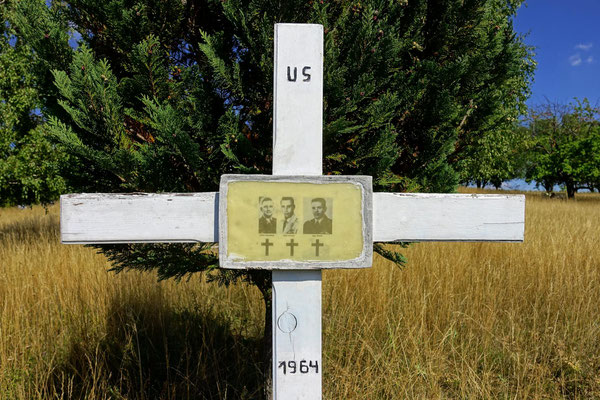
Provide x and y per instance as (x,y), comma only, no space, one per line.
(267,223)
(321,221)
(289,223)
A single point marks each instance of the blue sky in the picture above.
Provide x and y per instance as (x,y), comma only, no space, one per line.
(566,35)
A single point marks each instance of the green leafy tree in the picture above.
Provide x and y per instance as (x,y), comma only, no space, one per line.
(494,158)
(564,147)
(29,163)
(165,96)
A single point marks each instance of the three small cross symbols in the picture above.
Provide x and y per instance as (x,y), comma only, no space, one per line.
(291,244)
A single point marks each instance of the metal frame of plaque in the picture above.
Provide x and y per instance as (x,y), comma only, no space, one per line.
(364,260)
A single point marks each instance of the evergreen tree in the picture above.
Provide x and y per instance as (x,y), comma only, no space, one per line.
(165,96)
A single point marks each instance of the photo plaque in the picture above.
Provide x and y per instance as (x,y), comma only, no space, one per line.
(295,222)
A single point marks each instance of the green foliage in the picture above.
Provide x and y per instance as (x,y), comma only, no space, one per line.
(500,72)
(389,252)
(494,157)
(29,163)
(30,170)
(417,85)
(564,145)
(45,30)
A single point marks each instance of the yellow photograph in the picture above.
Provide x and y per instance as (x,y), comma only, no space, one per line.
(269,221)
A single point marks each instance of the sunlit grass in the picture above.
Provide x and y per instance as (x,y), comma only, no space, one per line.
(462,320)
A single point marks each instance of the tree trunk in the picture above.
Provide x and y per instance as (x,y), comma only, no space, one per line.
(570,189)
(548,186)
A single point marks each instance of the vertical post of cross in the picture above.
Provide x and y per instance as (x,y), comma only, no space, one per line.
(297,150)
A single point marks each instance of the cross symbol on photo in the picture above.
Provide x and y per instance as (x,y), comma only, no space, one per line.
(317,244)
(291,244)
(266,243)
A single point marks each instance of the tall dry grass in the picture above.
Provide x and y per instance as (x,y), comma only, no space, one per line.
(462,320)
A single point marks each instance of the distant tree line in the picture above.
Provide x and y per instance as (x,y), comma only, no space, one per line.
(555,144)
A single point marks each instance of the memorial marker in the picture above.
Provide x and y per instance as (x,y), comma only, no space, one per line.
(327,218)
(293,256)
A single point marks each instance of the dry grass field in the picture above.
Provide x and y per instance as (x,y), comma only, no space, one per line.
(461,321)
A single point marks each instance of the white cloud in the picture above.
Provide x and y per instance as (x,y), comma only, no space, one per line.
(584,47)
(575,60)
(590,59)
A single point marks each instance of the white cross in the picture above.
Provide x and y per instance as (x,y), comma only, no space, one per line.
(297,150)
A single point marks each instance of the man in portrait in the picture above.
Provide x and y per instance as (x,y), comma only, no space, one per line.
(290,220)
(266,223)
(320,223)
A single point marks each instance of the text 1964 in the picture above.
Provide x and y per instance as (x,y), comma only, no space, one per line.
(302,367)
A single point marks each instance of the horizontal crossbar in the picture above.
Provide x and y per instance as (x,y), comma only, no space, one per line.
(193,217)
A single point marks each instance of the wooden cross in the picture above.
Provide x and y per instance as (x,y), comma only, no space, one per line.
(297,150)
